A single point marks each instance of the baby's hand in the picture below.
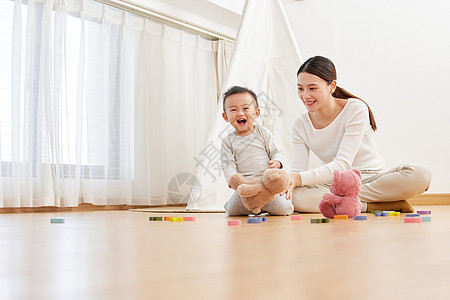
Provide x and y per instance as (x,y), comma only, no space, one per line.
(274,164)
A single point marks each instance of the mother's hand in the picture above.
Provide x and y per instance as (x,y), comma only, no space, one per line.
(294,181)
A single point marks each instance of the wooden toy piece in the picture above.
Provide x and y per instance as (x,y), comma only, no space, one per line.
(254,220)
(412,215)
(341,217)
(394,213)
(424,212)
(155,218)
(360,218)
(176,219)
(320,220)
(57,220)
(426,219)
(296,217)
(413,220)
(234,222)
(189,218)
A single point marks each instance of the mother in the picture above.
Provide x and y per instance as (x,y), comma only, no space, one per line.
(338,128)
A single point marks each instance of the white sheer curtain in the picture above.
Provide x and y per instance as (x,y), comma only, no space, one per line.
(98,105)
(223,51)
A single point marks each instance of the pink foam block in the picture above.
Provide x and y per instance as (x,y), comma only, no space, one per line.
(234,222)
(413,220)
(296,217)
(188,218)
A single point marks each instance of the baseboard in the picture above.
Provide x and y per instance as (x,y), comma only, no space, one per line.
(431,199)
(80,207)
(421,200)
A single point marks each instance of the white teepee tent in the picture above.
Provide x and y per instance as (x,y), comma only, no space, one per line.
(265,59)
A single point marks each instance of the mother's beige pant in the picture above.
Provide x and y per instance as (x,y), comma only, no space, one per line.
(399,183)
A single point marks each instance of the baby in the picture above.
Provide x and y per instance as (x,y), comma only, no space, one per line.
(249,150)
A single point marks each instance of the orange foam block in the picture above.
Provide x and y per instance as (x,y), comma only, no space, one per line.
(167,218)
(234,222)
(296,217)
(413,220)
(188,218)
(341,217)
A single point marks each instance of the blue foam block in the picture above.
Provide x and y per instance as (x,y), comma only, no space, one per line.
(360,218)
(412,215)
(378,214)
(254,220)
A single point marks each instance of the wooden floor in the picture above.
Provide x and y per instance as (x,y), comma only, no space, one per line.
(121,255)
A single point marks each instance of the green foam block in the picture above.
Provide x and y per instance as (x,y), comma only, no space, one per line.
(56,220)
(322,220)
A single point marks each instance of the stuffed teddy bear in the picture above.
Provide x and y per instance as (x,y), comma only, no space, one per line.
(256,192)
(344,197)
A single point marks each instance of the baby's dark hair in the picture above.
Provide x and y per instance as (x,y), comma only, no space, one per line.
(238,90)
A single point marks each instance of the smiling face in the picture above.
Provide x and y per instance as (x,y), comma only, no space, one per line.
(241,112)
(314,91)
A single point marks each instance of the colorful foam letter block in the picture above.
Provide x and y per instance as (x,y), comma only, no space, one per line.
(296,217)
(234,222)
(254,220)
(341,217)
(412,215)
(413,220)
(57,220)
(394,213)
(321,220)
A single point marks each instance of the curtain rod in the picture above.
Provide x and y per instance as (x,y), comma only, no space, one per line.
(166,19)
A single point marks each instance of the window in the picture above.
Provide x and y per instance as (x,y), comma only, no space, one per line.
(60,91)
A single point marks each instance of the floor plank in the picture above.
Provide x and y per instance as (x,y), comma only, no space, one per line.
(121,255)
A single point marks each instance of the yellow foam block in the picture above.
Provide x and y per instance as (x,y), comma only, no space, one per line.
(394,213)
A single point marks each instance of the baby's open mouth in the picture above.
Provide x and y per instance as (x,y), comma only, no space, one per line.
(242,121)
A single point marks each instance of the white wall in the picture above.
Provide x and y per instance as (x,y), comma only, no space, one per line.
(396,56)
(218,16)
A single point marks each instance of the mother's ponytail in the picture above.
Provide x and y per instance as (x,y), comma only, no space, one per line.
(324,68)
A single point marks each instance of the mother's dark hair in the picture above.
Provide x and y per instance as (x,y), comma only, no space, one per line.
(324,68)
